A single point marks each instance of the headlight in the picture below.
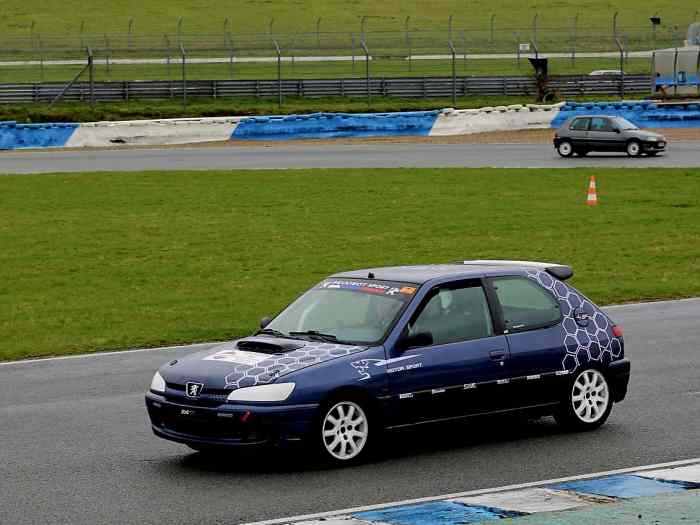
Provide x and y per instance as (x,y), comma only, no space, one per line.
(273,392)
(158,383)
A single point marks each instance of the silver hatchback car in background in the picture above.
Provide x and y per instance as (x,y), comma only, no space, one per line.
(585,133)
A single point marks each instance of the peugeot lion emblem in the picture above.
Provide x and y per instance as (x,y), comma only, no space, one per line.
(193,389)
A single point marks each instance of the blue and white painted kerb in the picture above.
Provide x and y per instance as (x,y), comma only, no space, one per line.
(335,125)
(533,499)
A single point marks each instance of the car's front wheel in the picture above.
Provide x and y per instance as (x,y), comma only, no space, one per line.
(344,431)
(634,148)
(565,148)
(588,402)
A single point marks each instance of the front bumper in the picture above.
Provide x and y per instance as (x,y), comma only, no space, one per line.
(619,377)
(654,145)
(187,422)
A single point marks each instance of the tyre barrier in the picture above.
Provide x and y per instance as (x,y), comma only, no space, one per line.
(333,125)
(644,114)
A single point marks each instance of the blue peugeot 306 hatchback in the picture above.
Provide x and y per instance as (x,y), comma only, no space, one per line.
(370,350)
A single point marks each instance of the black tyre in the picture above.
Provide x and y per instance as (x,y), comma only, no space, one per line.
(342,432)
(587,402)
(634,148)
(565,148)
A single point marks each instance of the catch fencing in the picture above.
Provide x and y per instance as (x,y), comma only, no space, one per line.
(427,87)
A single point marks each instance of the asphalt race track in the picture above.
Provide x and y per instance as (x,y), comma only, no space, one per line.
(76,447)
(332,155)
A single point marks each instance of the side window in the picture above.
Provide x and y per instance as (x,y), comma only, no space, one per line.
(454,314)
(525,304)
(580,124)
(600,124)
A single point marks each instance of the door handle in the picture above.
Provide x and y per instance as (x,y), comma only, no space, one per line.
(497,355)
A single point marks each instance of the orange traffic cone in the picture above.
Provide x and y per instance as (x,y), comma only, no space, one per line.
(592,195)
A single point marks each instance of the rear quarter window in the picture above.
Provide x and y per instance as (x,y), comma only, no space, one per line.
(579,124)
(524,304)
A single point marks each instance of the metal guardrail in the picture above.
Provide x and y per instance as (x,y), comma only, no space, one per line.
(349,87)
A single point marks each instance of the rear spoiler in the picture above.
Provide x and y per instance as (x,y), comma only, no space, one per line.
(560,271)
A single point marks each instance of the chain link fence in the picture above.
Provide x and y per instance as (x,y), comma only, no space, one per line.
(410,50)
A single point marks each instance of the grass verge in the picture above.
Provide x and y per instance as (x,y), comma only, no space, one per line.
(115,260)
(221,107)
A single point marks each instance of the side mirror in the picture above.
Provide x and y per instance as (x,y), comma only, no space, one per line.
(265,321)
(416,341)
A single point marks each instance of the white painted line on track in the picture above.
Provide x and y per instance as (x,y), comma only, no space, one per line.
(104,354)
(479,492)
(197,345)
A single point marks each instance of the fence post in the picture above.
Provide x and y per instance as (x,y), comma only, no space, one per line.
(675,72)
(534,28)
(464,49)
(91,71)
(363,27)
(517,48)
(108,54)
(697,70)
(653,72)
(454,73)
(318,34)
(573,40)
(408,43)
(41,58)
(184,77)
(179,32)
(367,81)
(621,48)
(279,74)
(352,45)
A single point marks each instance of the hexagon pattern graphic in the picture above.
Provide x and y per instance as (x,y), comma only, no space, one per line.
(266,371)
(587,332)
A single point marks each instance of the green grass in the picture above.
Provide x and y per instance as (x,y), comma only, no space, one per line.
(156,17)
(307,70)
(134,110)
(113,260)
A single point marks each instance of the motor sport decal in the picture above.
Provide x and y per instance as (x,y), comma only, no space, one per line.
(587,331)
(363,366)
(239,357)
(368,287)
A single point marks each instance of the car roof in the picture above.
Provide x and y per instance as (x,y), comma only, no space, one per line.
(592,116)
(420,274)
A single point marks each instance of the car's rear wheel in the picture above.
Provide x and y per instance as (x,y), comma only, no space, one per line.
(565,148)
(634,148)
(344,431)
(588,401)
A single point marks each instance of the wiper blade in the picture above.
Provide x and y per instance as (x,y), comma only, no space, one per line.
(271,331)
(317,334)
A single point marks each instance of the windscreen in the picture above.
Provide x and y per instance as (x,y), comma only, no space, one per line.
(625,124)
(347,310)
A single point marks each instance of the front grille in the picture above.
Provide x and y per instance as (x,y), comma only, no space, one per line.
(206,424)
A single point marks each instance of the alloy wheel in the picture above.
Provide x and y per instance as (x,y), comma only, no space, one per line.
(345,430)
(590,396)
